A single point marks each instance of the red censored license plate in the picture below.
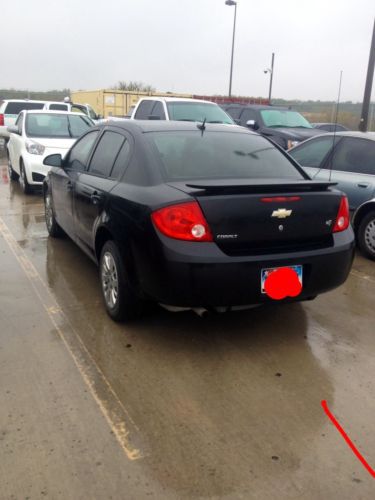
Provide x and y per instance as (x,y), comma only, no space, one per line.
(266,272)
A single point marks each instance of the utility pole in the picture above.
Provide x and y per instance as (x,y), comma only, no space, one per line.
(231,3)
(271,77)
(368,87)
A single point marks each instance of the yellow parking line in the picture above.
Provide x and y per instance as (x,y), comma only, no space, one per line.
(112,408)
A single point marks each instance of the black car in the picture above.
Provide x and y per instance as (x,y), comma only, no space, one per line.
(284,126)
(194,215)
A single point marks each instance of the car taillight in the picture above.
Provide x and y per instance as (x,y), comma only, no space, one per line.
(1,119)
(343,216)
(184,221)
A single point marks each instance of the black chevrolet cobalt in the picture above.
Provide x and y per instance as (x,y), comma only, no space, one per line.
(196,215)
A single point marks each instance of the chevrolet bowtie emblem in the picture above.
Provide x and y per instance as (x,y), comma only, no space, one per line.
(281,213)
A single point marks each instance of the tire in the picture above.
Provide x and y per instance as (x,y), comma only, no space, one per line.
(120,300)
(25,186)
(53,228)
(366,235)
(13,176)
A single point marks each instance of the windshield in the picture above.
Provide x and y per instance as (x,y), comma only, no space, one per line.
(56,125)
(283,118)
(218,155)
(197,112)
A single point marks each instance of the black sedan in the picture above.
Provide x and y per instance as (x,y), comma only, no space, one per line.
(196,216)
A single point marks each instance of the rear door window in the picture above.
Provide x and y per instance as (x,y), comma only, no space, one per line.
(58,107)
(313,153)
(355,155)
(106,153)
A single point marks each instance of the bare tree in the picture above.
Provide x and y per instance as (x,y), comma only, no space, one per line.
(134,86)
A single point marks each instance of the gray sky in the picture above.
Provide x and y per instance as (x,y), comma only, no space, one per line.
(184,45)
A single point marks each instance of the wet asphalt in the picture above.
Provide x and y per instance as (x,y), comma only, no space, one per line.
(174,406)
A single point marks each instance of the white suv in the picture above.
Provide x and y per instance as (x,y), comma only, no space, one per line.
(180,109)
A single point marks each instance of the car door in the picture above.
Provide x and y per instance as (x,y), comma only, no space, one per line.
(63,180)
(353,168)
(93,186)
(16,143)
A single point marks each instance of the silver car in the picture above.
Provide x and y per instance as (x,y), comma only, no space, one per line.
(347,158)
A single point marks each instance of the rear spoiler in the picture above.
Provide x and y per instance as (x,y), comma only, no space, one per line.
(259,185)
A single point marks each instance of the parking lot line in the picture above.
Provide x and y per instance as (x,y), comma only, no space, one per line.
(116,415)
(365,277)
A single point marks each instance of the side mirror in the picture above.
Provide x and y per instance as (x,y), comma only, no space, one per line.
(12,129)
(53,160)
(153,117)
(252,124)
(99,117)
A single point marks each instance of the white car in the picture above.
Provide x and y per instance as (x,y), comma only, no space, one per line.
(10,108)
(37,134)
(180,109)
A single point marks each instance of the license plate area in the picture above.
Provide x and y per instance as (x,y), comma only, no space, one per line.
(267,271)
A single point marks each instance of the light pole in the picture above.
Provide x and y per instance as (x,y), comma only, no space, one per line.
(270,71)
(230,3)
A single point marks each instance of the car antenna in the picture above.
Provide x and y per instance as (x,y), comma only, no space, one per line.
(202,126)
(335,128)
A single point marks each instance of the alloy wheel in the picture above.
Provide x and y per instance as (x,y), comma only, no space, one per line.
(48,211)
(109,278)
(370,235)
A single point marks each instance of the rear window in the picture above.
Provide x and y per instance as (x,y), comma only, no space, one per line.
(197,112)
(13,108)
(58,107)
(218,155)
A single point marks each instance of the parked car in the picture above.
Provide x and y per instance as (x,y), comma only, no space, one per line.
(35,135)
(285,127)
(179,109)
(330,127)
(192,215)
(347,158)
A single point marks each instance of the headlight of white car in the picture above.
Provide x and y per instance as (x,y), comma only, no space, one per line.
(291,144)
(34,148)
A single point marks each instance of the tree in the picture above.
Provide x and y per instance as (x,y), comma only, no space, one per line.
(134,86)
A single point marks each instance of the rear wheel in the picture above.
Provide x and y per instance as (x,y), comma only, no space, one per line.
(366,235)
(25,186)
(13,176)
(120,300)
(53,228)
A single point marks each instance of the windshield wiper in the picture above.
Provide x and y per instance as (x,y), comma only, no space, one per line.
(185,120)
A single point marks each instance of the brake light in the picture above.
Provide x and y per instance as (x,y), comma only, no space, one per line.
(343,216)
(1,119)
(184,221)
(280,199)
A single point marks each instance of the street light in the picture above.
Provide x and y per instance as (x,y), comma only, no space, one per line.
(270,71)
(230,3)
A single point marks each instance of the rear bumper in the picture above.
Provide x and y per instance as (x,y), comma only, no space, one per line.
(200,275)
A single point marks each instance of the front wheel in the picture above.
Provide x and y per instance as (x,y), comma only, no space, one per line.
(53,227)
(13,176)
(366,235)
(25,186)
(120,300)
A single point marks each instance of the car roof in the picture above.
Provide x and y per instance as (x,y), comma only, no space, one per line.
(173,126)
(51,112)
(176,99)
(258,107)
(349,133)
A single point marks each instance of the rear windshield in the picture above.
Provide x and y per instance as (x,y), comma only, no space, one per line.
(281,118)
(197,112)
(56,125)
(13,108)
(218,155)
(58,107)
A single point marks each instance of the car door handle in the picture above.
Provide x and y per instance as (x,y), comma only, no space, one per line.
(96,198)
(69,186)
(363,184)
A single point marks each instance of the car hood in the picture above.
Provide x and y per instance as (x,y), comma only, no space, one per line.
(291,133)
(54,143)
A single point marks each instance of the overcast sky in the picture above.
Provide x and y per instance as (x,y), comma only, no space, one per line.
(185,45)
